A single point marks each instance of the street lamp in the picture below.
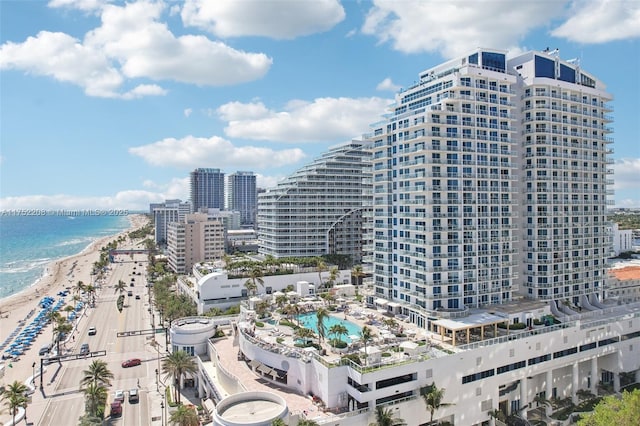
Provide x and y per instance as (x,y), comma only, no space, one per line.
(33,368)
(157,378)
(162,408)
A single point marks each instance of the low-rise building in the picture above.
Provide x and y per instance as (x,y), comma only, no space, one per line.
(624,284)
(211,287)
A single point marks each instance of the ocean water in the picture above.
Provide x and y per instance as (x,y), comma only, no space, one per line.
(29,243)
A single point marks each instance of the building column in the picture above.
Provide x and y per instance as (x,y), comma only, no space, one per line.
(616,382)
(523,397)
(638,375)
(548,392)
(576,382)
(594,376)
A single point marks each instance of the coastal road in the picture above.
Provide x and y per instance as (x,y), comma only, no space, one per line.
(66,401)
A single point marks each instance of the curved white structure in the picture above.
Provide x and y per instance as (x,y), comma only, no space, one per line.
(191,334)
(250,409)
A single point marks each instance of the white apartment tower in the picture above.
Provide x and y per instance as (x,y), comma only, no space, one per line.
(320,209)
(198,238)
(484,166)
(564,123)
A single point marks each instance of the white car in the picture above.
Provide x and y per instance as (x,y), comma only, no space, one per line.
(92,331)
(119,396)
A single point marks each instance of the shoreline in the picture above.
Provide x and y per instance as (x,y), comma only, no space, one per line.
(95,245)
(57,275)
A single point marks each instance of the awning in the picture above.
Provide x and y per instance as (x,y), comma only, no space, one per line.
(394,305)
(381,302)
(254,364)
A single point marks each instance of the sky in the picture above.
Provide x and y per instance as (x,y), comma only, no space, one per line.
(110,105)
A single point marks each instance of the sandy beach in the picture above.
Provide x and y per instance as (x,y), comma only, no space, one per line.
(16,310)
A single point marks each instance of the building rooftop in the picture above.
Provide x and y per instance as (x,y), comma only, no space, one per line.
(626,273)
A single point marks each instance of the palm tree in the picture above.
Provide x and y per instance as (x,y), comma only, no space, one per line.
(255,278)
(79,288)
(357,272)
(120,287)
(387,418)
(432,396)
(366,334)
(89,420)
(320,267)
(175,365)
(338,330)
(334,273)
(91,291)
(307,422)
(281,300)
(97,374)
(68,309)
(14,397)
(305,333)
(184,416)
(278,422)
(60,329)
(95,394)
(321,315)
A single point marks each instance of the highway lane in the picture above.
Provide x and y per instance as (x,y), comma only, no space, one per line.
(66,401)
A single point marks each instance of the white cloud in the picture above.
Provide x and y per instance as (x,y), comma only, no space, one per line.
(454,28)
(285,19)
(187,112)
(129,199)
(323,120)
(192,151)
(626,172)
(601,21)
(387,84)
(267,182)
(84,5)
(131,42)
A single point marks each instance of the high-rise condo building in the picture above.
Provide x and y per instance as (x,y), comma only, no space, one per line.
(242,196)
(489,178)
(164,214)
(207,189)
(320,209)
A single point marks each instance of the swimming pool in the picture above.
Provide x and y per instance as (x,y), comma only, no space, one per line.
(310,321)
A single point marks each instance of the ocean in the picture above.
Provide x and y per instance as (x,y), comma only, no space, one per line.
(29,243)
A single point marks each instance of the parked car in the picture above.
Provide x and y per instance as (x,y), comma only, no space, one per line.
(116,408)
(119,396)
(129,293)
(131,362)
(133,396)
(84,349)
(92,331)
(137,297)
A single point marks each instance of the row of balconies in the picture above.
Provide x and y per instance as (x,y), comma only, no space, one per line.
(576,99)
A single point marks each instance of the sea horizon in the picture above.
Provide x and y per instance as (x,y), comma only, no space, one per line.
(29,244)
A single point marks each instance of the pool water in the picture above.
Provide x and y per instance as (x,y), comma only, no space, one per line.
(310,321)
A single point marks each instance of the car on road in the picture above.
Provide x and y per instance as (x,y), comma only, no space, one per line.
(116,408)
(129,293)
(92,331)
(131,362)
(119,396)
(137,297)
(132,284)
(84,349)
(133,396)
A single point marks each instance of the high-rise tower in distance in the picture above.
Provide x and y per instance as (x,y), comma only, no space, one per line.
(242,196)
(207,189)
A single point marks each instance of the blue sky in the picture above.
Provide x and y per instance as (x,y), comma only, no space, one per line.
(111,104)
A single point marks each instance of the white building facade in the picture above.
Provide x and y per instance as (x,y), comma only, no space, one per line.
(166,213)
(197,239)
(484,166)
(622,239)
(320,209)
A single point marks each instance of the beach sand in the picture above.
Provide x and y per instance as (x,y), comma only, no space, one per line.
(16,310)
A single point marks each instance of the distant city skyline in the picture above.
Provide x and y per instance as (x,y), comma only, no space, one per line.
(91,120)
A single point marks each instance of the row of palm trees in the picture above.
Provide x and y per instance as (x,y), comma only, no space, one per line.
(97,379)
(15,397)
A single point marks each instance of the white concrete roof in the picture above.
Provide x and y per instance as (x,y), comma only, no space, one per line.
(475,320)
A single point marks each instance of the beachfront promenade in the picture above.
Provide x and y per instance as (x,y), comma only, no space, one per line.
(56,399)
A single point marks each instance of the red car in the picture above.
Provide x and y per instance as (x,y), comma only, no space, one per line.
(131,362)
(116,408)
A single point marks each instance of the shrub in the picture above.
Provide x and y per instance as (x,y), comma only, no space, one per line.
(259,324)
(336,343)
(386,354)
(279,340)
(353,357)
